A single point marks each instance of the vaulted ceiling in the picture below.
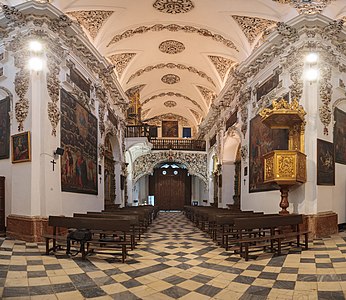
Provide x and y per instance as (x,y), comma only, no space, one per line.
(179,53)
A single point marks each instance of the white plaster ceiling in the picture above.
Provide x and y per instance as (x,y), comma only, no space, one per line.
(139,62)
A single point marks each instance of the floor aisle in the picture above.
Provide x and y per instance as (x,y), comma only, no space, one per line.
(174,260)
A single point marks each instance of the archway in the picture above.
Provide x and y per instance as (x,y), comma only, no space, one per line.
(109,175)
(170,185)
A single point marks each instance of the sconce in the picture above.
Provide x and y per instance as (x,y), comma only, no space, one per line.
(311,72)
(57,152)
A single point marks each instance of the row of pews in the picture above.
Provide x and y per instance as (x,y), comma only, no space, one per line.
(245,231)
(115,229)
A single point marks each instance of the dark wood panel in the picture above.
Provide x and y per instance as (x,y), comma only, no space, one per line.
(2,204)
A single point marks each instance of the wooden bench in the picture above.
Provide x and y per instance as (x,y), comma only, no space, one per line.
(98,226)
(256,232)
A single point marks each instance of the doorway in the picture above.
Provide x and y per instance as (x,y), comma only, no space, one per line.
(171,186)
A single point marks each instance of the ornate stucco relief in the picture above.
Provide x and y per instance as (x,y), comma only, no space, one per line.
(207,94)
(253,27)
(134,90)
(170,116)
(170,103)
(196,163)
(173,28)
(222,64)
(91,20)
(171,47)
(173,6)
(307,7)
(171,66)
(121,61)
(171,94)
(170,79)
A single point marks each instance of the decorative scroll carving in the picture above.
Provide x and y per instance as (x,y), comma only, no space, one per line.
(221,64)
(207,94)
(102,99)
(196,163)
(285,165)
(171,94)
(173,28)
(307,7)
(326,91)
(244,152)
(171,66)
(170,79)
(171,47)
(244,99)
(92,20)
(121,61)
(134,90)
(170,103)
(253,27)
(164,117)
(173,6)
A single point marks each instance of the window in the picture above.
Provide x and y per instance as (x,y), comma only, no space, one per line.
(186,132)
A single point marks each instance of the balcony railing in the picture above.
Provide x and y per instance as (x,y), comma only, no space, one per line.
(178,144)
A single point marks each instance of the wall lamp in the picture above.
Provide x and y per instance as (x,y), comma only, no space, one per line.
(58,152)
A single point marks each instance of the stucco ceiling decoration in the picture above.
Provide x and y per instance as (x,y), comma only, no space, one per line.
(222,64)
(91,20)
(172,94)
(307,7)
(135,89)
(173,28)
(196,115)
(145,112)
(170,103)
(171,66)
(121,61)
(253,27)
(170,79)
(173,6)
(207,94)
(171,47)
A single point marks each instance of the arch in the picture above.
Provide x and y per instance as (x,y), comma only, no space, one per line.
(7,93)
(196,163)
(232,142)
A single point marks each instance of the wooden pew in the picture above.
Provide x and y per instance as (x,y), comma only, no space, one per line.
(274,229)
(96,225)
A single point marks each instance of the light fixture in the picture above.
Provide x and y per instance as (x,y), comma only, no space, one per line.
(58,151)
(35,63)
(311,74)
(311,58)
(35,46)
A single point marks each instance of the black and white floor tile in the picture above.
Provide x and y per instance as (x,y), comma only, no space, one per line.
(174,260)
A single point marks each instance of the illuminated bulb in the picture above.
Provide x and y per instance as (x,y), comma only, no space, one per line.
(35,46)
(35,64)
(311,58)
(311,74)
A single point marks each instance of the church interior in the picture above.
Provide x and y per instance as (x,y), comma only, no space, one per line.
(184,149)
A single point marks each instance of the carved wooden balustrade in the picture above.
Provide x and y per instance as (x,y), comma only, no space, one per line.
(178,144)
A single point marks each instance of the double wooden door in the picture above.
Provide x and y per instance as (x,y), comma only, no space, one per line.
(171,188)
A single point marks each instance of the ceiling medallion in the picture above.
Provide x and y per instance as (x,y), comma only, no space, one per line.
(170,79)
(171,47)
(309,7)
(173,6)
(170,103)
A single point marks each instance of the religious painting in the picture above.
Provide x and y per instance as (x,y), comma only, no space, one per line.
(4,128)
(271,83)
(263,140)
(325,163)
(21,150)
(169,128)
(340,136)
(79,140)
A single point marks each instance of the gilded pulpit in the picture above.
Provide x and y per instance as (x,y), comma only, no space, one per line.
(286,168)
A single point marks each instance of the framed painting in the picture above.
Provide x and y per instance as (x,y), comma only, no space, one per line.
(340,136)
(325,163)
(79,140)
(21,148)
(263,140)
(169,128)
(4,128)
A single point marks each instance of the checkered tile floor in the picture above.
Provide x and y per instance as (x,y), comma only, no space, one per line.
(174,260)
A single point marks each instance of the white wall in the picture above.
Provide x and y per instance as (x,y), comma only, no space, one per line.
(228,172)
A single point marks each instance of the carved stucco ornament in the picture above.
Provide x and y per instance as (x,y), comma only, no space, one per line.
(170,103)
(222,64)
(307,7)
(171,47)
(173,6)
(196,163)
(121,61)
(207,94)
(170,79)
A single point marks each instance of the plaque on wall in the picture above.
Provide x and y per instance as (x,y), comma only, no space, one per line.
(325,163)
(170,129)
(271,83)
(79,140)
(340,136)
(4,128)
(263,140)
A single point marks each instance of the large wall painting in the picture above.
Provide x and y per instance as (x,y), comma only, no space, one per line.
(340,136)
(79,140)
(325,163)
(4,128)
(263,140)
(169,128)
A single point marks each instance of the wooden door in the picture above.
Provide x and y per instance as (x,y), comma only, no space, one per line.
(2,204)
(171,188)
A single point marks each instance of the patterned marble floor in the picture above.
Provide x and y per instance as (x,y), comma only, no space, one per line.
(174,260)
